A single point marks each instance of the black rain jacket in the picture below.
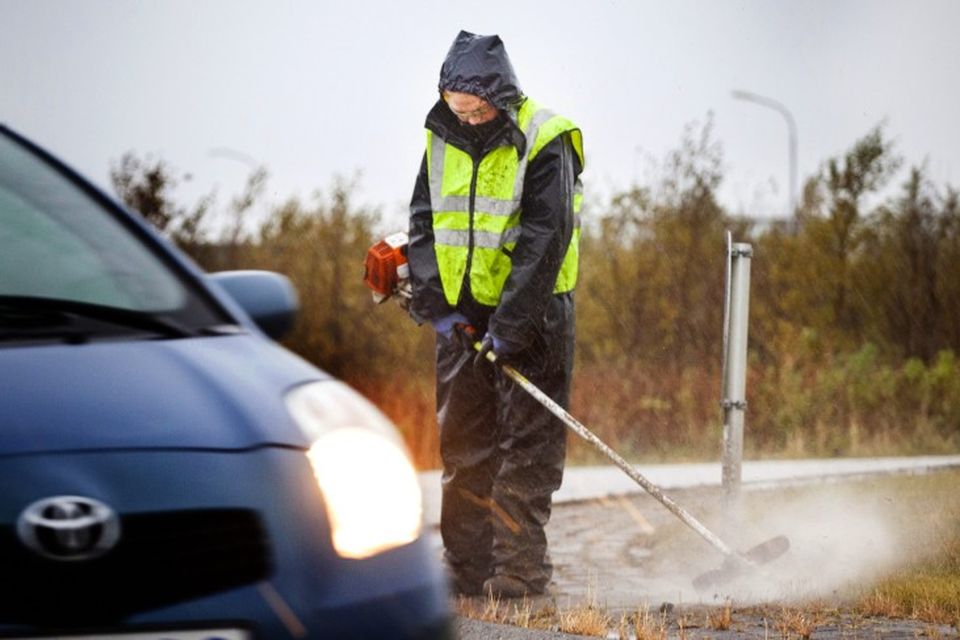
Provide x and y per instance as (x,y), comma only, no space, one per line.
(479,65)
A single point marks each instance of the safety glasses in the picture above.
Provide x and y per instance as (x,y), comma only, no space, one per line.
(466,116)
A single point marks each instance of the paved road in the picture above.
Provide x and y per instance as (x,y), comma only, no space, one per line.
(756,626)
(623,550)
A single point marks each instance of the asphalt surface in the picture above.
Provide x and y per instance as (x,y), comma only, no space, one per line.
(758,626)
(616,547)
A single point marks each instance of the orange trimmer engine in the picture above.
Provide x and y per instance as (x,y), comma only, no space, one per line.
(386,271)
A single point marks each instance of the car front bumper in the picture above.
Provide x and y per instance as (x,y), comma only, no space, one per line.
(300,588)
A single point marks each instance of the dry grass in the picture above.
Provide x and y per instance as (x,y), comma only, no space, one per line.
(643,625)
(587,620)
(931,598)
(721,619)
(590,620)
(519,613)
(488,610)
(928,588)
(678,424)
(797,623)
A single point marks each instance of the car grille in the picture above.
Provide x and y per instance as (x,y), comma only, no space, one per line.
(160,559)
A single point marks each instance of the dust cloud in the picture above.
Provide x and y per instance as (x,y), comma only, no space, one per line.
(627,552)
(840,537)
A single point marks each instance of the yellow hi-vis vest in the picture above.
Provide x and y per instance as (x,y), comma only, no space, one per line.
(479,205)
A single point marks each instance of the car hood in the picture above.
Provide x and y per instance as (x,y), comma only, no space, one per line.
(221,392)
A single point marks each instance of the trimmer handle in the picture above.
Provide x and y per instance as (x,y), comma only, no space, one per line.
(467,331)
(471,339)
(468,335)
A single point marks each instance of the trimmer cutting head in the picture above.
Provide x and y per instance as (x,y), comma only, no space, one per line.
(735,566)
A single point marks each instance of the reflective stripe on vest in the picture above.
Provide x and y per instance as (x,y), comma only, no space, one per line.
(495,221)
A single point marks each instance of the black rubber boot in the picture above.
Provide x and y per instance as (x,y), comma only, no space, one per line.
(504,587)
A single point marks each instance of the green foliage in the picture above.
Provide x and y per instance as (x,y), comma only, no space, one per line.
(831,238)
(859,404)
(911,288)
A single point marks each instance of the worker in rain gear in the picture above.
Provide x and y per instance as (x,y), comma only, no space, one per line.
(494,234)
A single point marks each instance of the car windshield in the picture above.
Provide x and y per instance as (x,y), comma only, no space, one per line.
(59,243)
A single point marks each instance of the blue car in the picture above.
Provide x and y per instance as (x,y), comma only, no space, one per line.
(166,469)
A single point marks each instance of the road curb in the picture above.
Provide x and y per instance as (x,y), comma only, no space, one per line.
(592,482)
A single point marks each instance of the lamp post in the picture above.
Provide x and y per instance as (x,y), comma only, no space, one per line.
(241,204)
(792,132)
(233,154)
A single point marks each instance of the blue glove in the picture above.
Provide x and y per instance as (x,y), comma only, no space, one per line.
(444,326)
(504,350)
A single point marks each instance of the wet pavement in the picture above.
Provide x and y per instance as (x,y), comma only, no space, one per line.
(699,625)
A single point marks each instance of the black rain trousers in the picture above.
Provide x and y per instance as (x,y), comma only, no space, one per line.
(503,454)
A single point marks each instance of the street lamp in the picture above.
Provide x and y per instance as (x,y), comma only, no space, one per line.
(233,154)
(792,130)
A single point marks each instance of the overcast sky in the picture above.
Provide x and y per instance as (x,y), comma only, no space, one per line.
(314,89)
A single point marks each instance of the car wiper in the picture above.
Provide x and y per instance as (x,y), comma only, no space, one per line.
(29,315)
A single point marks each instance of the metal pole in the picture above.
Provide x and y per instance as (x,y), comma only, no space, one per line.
(791,134)
(735,368)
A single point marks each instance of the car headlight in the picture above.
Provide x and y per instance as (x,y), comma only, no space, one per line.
(369,484)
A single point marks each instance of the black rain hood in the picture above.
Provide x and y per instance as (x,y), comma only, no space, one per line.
(479,65)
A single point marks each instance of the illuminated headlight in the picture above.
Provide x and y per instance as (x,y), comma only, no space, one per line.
(369,485)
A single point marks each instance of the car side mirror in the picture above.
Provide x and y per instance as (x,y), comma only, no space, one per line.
(268,298)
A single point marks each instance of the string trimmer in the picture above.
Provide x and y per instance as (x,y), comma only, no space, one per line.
(386,275)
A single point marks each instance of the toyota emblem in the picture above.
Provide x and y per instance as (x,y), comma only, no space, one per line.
(69,528)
